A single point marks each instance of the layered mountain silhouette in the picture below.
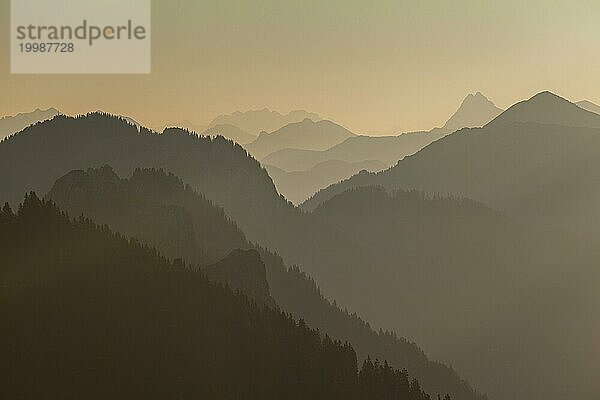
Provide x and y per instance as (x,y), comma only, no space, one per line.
(230,132)
(291,166)
(589,106)
(306,135)
(500,300)
(153,207)
(218,168)
(536,162)
(298,186)
(16,123)
(475,111)
(90,314)
(351,269)
(256,121)
(160,210)
(385,149)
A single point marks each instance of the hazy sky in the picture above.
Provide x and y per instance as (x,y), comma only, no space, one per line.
(371,66)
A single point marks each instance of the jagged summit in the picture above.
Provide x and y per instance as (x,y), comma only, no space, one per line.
(478,97)
(476,110)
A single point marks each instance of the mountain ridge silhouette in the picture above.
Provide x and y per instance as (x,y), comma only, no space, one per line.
(524,114)
(306,134)
(257,120)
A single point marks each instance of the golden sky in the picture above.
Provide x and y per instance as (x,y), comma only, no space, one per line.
(370,65)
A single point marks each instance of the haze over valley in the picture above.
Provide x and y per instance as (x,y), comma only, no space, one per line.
(434,250)
(303,201)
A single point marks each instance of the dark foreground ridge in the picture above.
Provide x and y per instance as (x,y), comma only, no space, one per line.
(89,314)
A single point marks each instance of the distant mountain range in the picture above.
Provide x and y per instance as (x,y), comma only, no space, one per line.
(16,123)
(299,185)
(475,110)
(529,148)
(385,149)
(265,120)
(306,134)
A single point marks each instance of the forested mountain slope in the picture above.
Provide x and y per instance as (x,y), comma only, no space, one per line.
(89,314)
(159,209)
